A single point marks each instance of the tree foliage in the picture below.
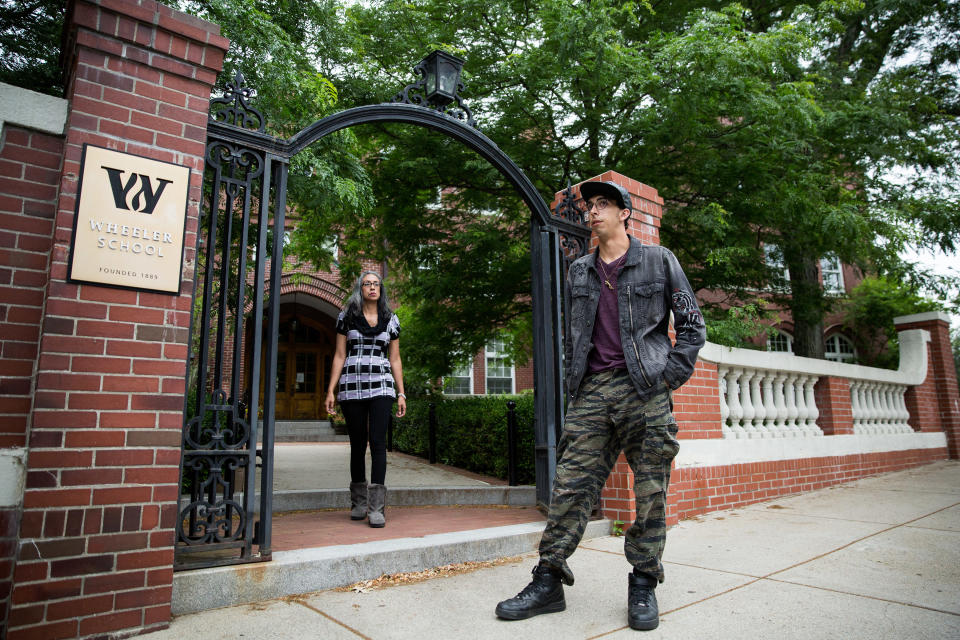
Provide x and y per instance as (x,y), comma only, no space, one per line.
(870,311)
(30,33)
(955,344)
(826,128)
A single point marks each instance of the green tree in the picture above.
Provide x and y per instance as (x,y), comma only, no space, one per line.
(276,47)
(760,123)
(30,44)
(869,313)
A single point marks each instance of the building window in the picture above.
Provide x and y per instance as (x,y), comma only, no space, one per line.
(840,349)
(832,273)
(780,342)
(499,369)
(774,259)
(460,382)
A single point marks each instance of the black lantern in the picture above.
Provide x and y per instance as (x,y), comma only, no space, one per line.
(442,77)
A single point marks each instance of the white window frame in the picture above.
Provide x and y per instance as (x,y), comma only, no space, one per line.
(464,371)
(784,335)
(776,263)
(831,274)
(833,352)
(490,350)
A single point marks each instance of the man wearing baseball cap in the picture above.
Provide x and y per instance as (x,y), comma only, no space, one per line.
(621,367)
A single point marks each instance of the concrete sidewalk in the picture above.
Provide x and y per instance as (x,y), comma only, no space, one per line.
(326,465)
(873,559)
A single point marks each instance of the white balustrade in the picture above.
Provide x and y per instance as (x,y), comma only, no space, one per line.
(769,406)
(771,395)
(724,405)
(803,411)
(746,402)
(879,407)
(733,400)
(792,411)
(811,428)
(781,405)
(759,410)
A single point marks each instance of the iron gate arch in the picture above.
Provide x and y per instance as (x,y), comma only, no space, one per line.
(246,167)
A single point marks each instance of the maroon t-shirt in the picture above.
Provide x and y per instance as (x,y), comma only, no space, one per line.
(607,352)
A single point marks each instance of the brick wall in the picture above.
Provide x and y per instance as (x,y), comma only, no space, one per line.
(696,405)
(96,538)
(698,490)
(832,396)
(935,404)
(524,377)
(29,172)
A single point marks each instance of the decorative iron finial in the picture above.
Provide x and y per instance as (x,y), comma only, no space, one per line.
(568,209)
(438,87)
(233,108)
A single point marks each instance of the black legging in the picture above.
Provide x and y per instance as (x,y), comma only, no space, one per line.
(358,414)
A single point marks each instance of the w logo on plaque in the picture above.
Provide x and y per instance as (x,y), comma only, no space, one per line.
(145,200)
(128,231)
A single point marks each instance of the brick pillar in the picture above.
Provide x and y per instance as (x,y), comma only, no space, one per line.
(31,155)
(935,404)
(97,534)
(832,396)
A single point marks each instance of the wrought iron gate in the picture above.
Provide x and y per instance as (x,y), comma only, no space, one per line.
(241,223)
(224,516)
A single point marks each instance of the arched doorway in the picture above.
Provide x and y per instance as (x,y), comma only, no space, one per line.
(305,347)
(248,169)
(306,337)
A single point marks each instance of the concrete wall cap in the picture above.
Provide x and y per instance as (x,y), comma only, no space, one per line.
(32,110)
(923,317)
(912,371)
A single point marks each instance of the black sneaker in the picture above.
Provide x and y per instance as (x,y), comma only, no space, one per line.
(642,612)
(544,594)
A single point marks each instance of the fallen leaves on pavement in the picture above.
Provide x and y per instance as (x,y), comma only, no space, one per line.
(446,571)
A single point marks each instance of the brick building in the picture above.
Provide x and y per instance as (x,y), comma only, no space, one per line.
(93,377)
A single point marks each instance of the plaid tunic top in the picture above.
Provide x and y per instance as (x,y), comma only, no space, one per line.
(366,370)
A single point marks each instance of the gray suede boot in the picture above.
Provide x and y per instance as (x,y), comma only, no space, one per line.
(358,500)
(378,498)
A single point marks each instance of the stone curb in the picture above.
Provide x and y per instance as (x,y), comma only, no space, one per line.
(297,500)
(309,570)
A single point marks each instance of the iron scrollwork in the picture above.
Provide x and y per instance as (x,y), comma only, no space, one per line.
(568,209)
(234,107)
(219,437)
(209,519)
(573,230)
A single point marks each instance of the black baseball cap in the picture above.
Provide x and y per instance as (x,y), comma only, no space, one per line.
(607,188)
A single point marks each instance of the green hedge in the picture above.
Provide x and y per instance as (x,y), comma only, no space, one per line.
(471,433)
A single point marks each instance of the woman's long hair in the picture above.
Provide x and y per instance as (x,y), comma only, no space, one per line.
(354,306)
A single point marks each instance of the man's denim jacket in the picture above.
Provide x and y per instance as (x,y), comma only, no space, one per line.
(650,285)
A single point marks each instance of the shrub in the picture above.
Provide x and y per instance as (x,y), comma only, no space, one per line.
(471,433)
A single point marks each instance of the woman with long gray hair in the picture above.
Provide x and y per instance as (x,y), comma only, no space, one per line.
(365,378)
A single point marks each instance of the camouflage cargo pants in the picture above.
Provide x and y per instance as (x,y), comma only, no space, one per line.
(607,417)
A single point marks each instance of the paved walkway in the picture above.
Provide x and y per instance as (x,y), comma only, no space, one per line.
(326,465)
(874,559)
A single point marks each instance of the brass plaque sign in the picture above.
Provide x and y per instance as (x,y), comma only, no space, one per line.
(129,227)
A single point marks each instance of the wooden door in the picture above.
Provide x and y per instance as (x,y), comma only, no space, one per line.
(304,355)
